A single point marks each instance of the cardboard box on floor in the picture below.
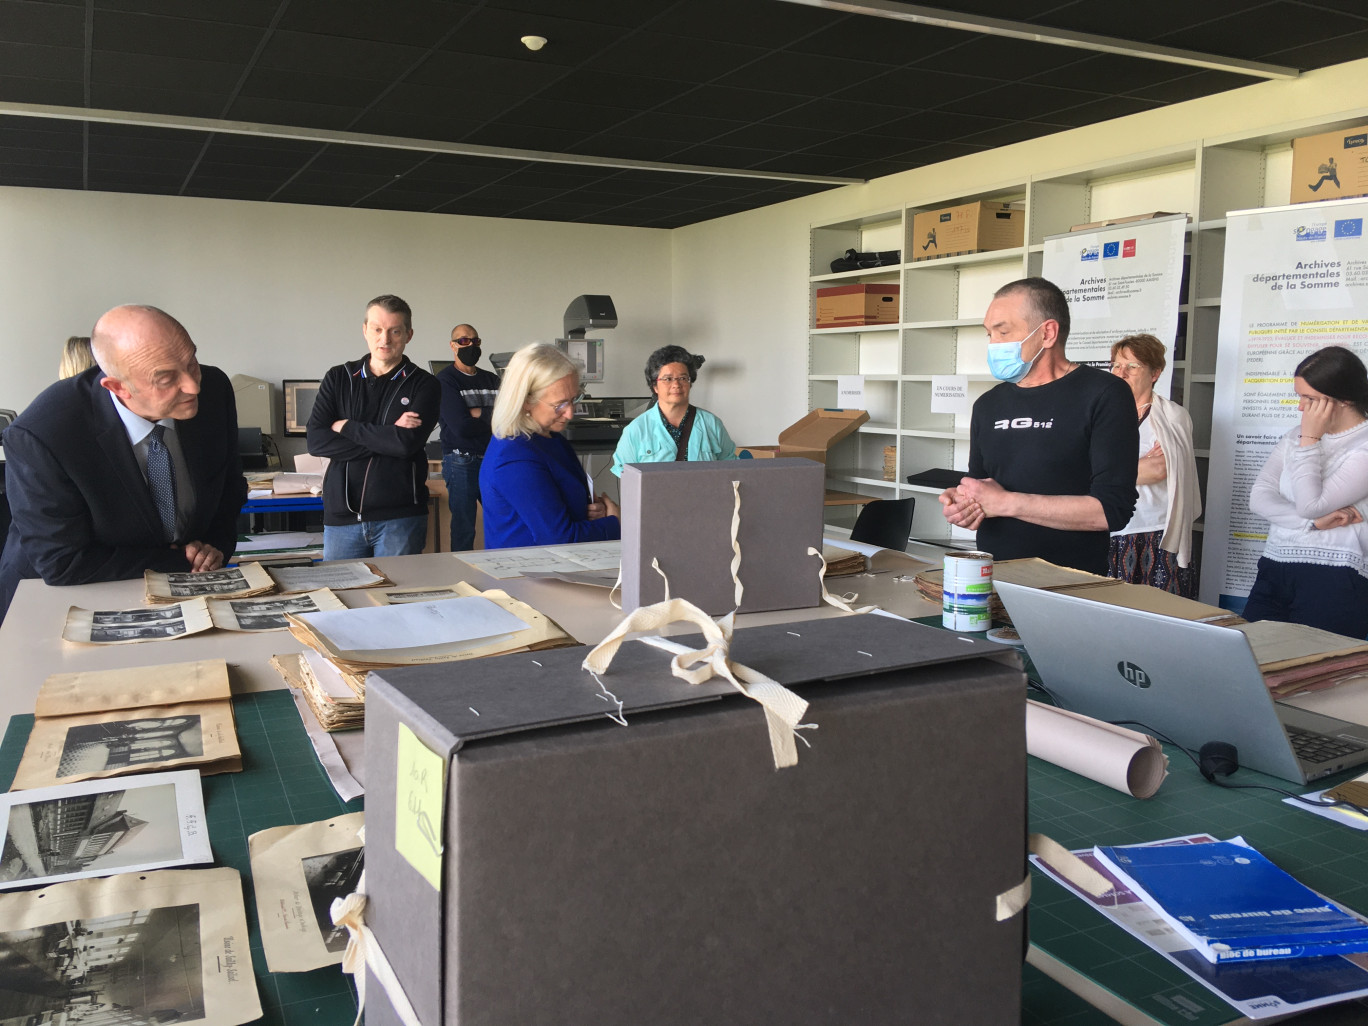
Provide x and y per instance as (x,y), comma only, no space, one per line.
(666,873)
(1333,165)
(811,437)
(967,228)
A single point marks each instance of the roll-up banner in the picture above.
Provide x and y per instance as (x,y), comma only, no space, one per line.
(1122,280)
(1295,280)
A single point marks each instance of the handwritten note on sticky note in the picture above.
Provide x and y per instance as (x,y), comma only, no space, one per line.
(420,806)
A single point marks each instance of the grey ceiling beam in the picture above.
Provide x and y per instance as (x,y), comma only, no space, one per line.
(1040,34)
(393,142)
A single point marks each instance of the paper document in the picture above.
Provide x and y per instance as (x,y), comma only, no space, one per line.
(279,541)
(98,828)
(337,576)
(505,563)
(414,624)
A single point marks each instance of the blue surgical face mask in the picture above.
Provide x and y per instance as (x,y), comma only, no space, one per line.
(1005,362)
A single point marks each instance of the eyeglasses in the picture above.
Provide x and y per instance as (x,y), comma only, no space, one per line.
(464,341)
(670,379)
(560,408)
(1117,368)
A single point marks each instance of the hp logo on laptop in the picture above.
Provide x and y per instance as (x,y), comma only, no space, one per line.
(1133,674)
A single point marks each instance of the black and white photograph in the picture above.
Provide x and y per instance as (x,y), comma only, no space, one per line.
(138,632)
(135,967)
(128,626)
(97,747)
(238,581)
(91,829)
(328,877)
(268,614)
(134,617)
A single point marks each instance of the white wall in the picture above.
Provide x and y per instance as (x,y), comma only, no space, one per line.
(278,290)
(740,282)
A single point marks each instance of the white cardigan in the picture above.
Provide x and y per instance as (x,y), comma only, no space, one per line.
(1173,431)
(1301,483)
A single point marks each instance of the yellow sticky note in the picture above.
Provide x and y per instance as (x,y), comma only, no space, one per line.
(420,806)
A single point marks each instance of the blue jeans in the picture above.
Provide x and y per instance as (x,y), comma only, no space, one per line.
(402,536)
(462,476)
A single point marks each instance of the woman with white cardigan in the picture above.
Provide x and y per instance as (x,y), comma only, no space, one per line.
(1313,491)
(1155,548)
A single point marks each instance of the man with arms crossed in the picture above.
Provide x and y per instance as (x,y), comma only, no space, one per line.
(131,465)
(372,419)
(468,394)
(1053,449)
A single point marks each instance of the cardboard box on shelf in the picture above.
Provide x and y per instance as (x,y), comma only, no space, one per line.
(812,437)
(1333,165)
(665,872)
(854,306)
(1128,219)
(967,228)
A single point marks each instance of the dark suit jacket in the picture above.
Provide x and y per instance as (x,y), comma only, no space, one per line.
(81,507)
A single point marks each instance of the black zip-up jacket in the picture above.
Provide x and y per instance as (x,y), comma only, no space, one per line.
(378,471)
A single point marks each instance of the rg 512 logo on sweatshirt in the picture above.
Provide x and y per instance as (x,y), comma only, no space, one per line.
(1021,422)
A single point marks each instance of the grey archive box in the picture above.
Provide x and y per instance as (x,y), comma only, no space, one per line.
(664,872)
(681,515)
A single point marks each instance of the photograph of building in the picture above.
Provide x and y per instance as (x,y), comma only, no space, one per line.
(93,747)
(134,969)
(91,832)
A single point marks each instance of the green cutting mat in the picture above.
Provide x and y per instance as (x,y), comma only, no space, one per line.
(281,782)
(1078,813)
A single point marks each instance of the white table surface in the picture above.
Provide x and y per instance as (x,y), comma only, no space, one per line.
(31,646)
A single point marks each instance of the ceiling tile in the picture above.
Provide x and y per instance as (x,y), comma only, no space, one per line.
(43,24)
(653,53)
(316,54)
(414,23)
(120,32)
(45,62)
(238,12)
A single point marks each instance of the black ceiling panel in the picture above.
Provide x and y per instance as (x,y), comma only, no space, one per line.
(745,84)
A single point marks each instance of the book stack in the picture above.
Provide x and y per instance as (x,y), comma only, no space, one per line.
(347,644)
(890,469)
(1233,905)
(1295,658)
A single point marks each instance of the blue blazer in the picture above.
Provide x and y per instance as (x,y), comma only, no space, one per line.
(534,492)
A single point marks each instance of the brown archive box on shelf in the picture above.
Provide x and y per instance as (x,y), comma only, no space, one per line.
(967,228)
(856,306)
(666,873)
(680,515)
(1333,165)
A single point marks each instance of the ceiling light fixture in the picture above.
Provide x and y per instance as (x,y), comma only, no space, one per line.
(534,43)
(1041,34)
(392,142)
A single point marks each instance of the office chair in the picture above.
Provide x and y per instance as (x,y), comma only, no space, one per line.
(7,418)
(886,523)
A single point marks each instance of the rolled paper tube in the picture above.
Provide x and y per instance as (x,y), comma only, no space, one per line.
(1123,759)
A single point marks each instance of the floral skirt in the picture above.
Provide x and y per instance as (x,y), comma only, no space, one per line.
(1138,559)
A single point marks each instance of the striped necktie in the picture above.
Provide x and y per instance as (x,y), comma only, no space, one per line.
(162,480)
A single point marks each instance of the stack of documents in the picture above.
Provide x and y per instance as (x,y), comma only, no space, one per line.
(338,699)
(291,580)
(842,562)
(346,644)
(1295,658)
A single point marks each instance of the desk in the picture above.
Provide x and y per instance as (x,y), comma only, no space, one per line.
(1069,941)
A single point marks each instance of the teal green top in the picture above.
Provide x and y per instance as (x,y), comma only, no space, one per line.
(648,440)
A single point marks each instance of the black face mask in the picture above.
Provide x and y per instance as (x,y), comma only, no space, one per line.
(468,355)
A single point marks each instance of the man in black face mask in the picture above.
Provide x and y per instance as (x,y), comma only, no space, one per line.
(468,395)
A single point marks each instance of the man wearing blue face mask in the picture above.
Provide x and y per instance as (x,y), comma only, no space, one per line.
(1053,448)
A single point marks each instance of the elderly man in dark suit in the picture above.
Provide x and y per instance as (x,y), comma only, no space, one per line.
(131,465)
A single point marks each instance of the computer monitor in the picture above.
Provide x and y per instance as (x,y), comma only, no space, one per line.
(437,366)
(299,401)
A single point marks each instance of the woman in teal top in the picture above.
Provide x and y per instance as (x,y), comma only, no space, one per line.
(673,429)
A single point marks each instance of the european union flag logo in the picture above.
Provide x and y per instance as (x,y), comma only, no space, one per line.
(1349,228)
(1111,249)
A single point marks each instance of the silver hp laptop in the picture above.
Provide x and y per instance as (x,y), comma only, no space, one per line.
(1193,682)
